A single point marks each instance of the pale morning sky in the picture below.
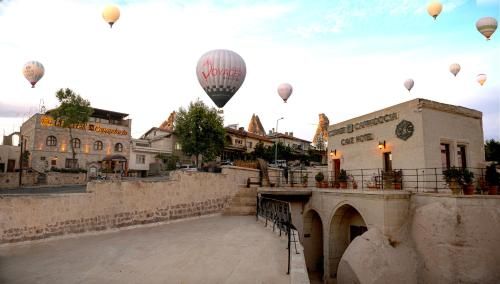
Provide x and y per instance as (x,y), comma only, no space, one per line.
(344,58)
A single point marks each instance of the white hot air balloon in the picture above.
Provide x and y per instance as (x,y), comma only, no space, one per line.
(481,78)
(221,73)
(487,26)
(434,8)
(409,84)
(111,14)
(454,69)
(284,91)
(33,71)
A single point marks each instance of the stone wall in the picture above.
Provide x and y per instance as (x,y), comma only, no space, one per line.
(54,178)
(11,180)
(115,204)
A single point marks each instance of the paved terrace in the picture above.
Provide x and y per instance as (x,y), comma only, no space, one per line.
(221,249)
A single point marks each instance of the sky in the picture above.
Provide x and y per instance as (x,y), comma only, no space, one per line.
(343,58)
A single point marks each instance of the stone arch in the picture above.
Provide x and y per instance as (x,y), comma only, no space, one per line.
(347,223)
(313,243)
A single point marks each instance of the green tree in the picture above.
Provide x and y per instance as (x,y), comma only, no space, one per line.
(492,150)
(72,112)
(200,130)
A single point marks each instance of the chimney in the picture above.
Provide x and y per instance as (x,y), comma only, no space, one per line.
(273,130)
(270,132)
(291,134)
(286,133)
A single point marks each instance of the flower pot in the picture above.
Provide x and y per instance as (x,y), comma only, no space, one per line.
(336,185)
(493,189)
(468,189)
(455,188)
(396,185)
(324,184)
(343,184)
(319,184)
(354,185)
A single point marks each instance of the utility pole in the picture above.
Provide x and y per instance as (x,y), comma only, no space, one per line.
(21,162)
(276,143)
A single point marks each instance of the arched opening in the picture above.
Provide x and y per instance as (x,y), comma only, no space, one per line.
(313,245)
(347,223)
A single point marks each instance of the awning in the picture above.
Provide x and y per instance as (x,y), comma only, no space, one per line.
(118,158)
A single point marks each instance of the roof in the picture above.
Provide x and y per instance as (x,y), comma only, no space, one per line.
(281,135)
(155,129)
(244,133)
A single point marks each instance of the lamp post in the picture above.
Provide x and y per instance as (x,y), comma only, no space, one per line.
(276,143)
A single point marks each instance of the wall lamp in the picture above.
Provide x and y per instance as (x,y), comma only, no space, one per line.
(381,145)
(333,152)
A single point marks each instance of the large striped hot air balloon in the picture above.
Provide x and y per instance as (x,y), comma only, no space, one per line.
(111,14)
(221,73)
(487,26)
(409,84)
(434,8)
(285,91)
(33,71)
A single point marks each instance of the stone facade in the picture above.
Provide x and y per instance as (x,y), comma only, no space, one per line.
(116,204)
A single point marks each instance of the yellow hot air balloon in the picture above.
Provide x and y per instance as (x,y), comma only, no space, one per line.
(454,69)
(434,8)
(481,78)
(111,14)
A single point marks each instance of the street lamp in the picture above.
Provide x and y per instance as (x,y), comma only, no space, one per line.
(276,143)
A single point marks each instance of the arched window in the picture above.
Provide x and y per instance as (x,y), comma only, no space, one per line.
(118,147)
(76,143)
(51,141)
(98,145)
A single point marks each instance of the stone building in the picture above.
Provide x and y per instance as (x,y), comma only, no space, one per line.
(298,146)
(420,136)
(102,143)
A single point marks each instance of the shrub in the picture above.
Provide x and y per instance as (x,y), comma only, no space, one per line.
(319,177)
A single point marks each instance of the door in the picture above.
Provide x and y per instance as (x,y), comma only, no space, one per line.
(336,168)
(11,165)
(387,162)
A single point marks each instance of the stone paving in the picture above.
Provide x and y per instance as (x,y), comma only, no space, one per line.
(220,249)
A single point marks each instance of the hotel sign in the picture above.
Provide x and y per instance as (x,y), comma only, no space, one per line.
(49,121)
(356,139)
(363,124)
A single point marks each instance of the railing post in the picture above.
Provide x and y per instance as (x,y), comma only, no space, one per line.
(416,171)
(289,224)
(436,178)
(381,179)
(362,181)
(257,209)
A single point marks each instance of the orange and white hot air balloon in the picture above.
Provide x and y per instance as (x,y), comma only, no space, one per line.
(111,14)
(33,71)
(481,78)
(434,8)
(487,26)
(454,69)
(221,73)
(285,91)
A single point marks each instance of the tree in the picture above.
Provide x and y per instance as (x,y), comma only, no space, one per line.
(200,130)
(492,150)
(72,112)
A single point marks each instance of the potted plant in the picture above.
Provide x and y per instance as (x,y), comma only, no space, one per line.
(319,179)
(492,179)
(468,178)
(397,179)
(454,179)
(353,181)
(342,178)
(305,178)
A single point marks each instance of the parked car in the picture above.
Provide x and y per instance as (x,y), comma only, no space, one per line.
(227,163)
(188,168)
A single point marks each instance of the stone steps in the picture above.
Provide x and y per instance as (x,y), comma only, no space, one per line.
(244,202)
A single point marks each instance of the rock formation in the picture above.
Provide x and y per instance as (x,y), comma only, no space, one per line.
(255,126)
(321,135)
(169,123)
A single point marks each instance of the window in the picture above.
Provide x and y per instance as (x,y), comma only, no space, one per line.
(118,147)
(42,158)
(238,141)
(76,143)
(98,145)
(140,159)
(462,161)
(445,156)
(250,145)
(71,163)
(51,141)
(53,162)
(178,146)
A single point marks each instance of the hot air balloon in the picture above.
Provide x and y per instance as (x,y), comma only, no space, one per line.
(111,14)
(285,90)
(221,73)
(33,71)
(434,8)
(454,69)
(481,78)
(487,26)
(409,84)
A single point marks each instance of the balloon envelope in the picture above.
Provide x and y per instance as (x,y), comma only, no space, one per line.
(284,91)
(33,71)
(409,84)
(111,14)
(487,26)
(434,9)
(454,69)
(481,78)
(221,73)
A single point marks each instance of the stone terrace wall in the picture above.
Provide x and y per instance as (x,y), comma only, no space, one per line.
(66,178)
(118,204)
(11,180)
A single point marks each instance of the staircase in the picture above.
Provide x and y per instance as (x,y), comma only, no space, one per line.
(243,203)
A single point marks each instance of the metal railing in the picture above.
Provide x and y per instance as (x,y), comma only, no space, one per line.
(279,213)
(418,179)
